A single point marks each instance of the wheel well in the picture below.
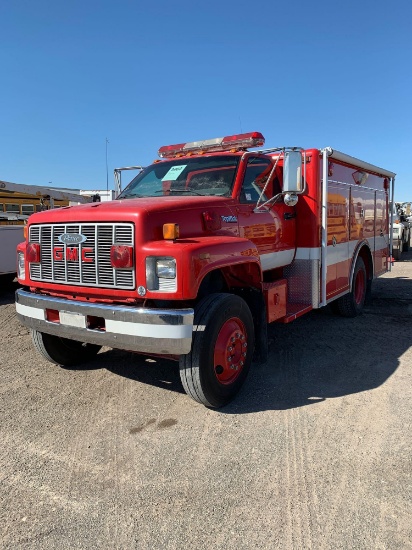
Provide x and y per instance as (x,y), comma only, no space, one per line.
(244,280)
(214,281)
(231,279)
(366,256)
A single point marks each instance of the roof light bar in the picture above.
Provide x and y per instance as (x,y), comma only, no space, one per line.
(237,141)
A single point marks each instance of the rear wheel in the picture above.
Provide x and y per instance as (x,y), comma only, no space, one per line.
(222,349)
(352,303)
(62,351)
(407,244)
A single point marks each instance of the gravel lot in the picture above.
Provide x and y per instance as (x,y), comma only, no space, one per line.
(314,453)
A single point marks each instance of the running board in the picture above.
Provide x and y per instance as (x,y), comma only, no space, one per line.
(294,311)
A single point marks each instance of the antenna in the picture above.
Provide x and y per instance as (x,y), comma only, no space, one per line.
(107,171)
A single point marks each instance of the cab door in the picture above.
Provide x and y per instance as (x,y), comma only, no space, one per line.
(271,228)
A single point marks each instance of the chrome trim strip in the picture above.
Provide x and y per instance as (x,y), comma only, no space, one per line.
(391,199)
(343,157)
(324,227)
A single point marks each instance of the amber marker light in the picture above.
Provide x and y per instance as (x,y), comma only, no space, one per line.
(25,232)
(170,231)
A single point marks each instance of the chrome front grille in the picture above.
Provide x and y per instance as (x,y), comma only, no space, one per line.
(86,263)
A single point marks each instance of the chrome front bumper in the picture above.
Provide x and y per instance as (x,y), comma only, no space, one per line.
(145,330)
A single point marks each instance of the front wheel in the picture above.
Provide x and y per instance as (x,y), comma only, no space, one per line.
(7,280)
(62,351)
(352,303)
(222,349)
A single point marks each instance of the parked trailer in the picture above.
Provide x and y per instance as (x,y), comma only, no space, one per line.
(10,237)
(200,251)
(17,202)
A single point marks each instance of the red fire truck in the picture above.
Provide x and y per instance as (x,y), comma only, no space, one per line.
(200,251)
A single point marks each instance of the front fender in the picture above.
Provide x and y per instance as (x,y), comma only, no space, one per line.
(200,256)
(196,257)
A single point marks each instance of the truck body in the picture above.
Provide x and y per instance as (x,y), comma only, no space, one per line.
(200,252)
(401,231)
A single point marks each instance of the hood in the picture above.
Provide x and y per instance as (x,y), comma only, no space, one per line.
(149,214)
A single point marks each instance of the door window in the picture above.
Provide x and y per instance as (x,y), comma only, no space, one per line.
(256,176)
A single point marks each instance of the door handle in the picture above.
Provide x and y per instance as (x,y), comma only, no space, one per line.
(289,215)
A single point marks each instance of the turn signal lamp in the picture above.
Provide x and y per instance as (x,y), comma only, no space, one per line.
(170,231)
(235,142)
(121,256)
(25,232)
(33,253)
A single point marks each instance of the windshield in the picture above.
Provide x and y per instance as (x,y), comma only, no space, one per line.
(186,176)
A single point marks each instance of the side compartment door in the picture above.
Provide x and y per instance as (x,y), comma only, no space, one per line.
(338,251)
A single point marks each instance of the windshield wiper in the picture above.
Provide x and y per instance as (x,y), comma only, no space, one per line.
(186,190)
(130,195)
(160,191)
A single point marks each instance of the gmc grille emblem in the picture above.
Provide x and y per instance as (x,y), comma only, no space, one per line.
(71,254)
(72,238)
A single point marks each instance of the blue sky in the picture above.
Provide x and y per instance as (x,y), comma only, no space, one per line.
(147,74)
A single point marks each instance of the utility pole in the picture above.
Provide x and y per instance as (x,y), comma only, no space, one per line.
(107,171)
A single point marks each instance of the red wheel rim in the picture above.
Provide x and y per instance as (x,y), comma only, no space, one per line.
(230,351)
(359,286)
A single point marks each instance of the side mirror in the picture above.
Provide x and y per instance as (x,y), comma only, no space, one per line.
(292,172)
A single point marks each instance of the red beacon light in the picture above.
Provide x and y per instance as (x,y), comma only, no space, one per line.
(237,142)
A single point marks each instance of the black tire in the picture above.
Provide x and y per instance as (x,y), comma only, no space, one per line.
(406,245)
(223,324)
(62,351)
(352,303)
(6,280)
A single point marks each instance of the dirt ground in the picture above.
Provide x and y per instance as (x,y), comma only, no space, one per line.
(314,453)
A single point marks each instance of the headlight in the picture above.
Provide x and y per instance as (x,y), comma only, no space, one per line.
(21,271)
(161,274)
(166,269)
